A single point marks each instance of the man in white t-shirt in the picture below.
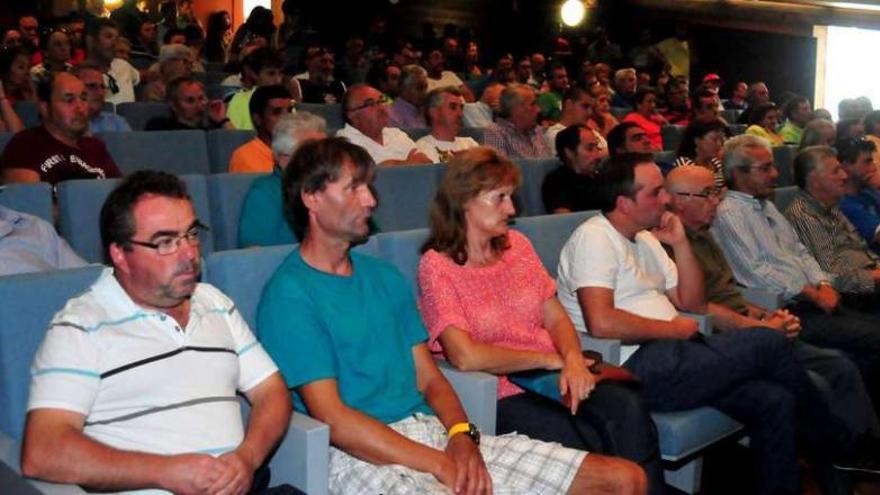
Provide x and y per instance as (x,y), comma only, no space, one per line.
(134,386)
(119,75)
(445,113)
(439,78)
(616,281)
(366,121)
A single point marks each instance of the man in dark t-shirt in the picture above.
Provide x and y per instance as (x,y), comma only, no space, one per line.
(190,109)
(59,149)
(572,186)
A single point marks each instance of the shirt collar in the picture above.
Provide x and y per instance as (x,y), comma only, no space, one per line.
(746,199)
(9,218)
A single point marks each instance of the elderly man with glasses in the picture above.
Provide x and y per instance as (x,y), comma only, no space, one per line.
(365,111)
(190,109)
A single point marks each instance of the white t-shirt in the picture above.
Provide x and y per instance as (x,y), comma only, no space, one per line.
(434,148)
(447,78)
(126,78)
(396,143)
(143,383)
(640,273)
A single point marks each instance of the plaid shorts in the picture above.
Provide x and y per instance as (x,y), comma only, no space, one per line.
(517,464)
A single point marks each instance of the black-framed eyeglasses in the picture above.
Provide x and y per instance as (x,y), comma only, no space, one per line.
(383,100)
(715,192)
(170,244)
(765,167)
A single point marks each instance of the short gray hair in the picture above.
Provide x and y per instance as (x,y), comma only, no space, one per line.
(620,74)
(285,136)
(812,135)
(809,160)
(409,74)
(737,154)
(510,97)
(435,98)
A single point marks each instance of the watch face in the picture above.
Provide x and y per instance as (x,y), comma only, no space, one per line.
(474,433)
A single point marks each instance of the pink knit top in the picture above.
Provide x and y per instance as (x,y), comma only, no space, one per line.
(501,304)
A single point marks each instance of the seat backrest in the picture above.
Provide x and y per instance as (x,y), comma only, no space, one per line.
(477,133)
(332,113)
(29,303)
(176,152)
(405,194)
(737,129)
(783,157)
(548,233)
(730,115)
(35,198)
(226,193)
(671,135)
(401,249)
(533,173)
(241,274)
(139,113)
(80,203)
(4,138)
(783,196)
(416,133)
(28,113)
(221,143)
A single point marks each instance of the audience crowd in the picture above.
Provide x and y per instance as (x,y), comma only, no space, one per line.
(683,179)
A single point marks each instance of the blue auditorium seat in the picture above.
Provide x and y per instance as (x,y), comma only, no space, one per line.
(140,112)
(332,113)
(4,138)
(28,113)
(405,194)
(80,203)
(221,143)
(34,198)
(783,157)
(528,198)
(671,135)
(176,152)
(782,196)
(226,193)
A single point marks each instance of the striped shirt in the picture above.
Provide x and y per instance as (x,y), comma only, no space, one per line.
(834,242)
(142,382)
(504,137)
(762,247)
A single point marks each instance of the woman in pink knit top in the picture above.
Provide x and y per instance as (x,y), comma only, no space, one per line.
(489,305)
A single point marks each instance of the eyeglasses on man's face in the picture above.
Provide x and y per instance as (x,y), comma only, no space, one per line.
(170,244)
(371,102)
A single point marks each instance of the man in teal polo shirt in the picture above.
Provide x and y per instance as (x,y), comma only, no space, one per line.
(345,331)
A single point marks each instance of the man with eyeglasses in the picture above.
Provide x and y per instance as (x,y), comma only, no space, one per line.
(59,149)
(190,109)
(268,105)
(99,119)
(765,252)
(695,198)
(366,124)
(445,111)
(119,76)
(134,385)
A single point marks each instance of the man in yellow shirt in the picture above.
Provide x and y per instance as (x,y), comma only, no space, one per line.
(267,105)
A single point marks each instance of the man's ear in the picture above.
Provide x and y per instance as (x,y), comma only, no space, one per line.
(117,257)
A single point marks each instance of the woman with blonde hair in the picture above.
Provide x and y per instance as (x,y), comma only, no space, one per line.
(490,305)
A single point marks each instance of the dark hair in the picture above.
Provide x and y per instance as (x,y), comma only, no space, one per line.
(172,32)
(216,28)
(174,87)
(701,92)
(377,73)
(844,126)
(98,24)
(193,34)
(871,120)
(760,111)
(261,58)
(263,94)
(575,93)
(849,149)
(617,177)
(642,92)
(792,104)
(568,139)
(117,222)
(315,164)
(698,129)
(467,175)
(44,87)
(617,136)
(7,58)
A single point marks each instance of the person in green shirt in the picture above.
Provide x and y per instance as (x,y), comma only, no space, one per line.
(263,66)
(797,112)
(550,102)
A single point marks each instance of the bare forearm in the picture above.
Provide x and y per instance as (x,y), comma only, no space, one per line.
(69,456)
(691,286)
(13,122)
(440,395)
(501,360)
(630,328)
(268,422)
(726,319)
(375,442)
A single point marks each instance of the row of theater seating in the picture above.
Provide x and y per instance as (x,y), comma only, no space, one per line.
(405,194)
(32,299)
(139,113)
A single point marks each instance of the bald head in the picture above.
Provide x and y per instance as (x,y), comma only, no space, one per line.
(694,196)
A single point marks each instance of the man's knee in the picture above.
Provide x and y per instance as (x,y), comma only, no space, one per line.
(609,475)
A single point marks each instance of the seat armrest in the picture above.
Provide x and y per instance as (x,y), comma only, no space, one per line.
(478,392)
(303,457)
(703,320)
(608,348)
(13,483)
(764,298)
